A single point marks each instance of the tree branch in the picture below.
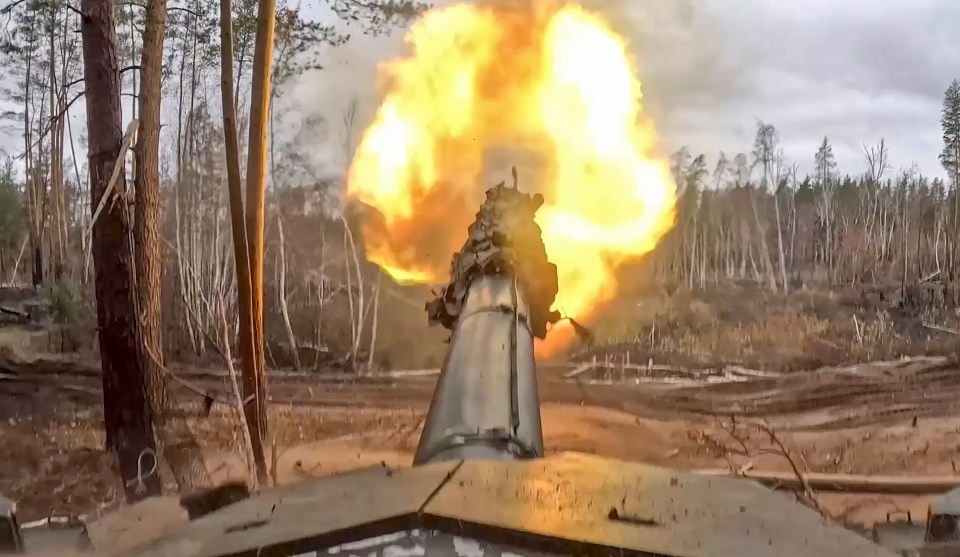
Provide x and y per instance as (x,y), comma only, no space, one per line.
(72,83)
(745,448)
(9,7)
(181,9)
(169,8)
(51,121)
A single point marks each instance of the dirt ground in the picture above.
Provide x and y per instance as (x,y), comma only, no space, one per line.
(322,427)
(661,401)
(889,450)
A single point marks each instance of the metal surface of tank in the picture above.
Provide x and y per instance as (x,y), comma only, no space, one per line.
(485,404)
(10,537)
(567,504)
(942,525)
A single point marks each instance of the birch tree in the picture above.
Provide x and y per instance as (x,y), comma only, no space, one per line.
(767,155)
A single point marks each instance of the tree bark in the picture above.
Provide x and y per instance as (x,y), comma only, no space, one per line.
(255,378)
(28,154)
(254,381)
(127,417)
(58,244)
(147,209)
(179,446)
(33,204)
(256,157)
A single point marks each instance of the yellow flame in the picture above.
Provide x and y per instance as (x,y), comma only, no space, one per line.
(547,81)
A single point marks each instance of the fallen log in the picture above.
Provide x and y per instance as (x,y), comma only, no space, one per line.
(14,312)
(852,483)
(45,366)
(580,370)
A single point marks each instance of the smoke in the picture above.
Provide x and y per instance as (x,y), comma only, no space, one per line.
(690,62)
(678,48)
(676,44)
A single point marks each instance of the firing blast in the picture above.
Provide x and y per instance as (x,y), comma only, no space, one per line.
(501,288)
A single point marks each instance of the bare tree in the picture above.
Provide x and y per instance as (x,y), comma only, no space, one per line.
(282,294)
(826,168)
(779,184)
(877,161)
(767,155)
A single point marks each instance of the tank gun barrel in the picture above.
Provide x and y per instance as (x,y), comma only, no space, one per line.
(486,405)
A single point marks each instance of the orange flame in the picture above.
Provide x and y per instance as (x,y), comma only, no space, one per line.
(553,89)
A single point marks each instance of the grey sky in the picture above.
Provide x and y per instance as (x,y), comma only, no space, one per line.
(854,70)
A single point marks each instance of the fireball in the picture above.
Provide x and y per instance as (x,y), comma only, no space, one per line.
(546,87)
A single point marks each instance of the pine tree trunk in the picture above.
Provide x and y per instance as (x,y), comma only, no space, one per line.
(255,377)
(126,413)
(33,210)
(179,446)
(254,380)
(58,250)
(37,262)
(146,226)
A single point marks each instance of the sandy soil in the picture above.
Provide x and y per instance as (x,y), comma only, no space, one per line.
(897,418)
(60,469)
(927,449)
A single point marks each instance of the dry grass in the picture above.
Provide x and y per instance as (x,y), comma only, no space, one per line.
(747,325)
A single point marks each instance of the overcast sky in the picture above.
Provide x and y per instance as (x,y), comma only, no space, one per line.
(853,70)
